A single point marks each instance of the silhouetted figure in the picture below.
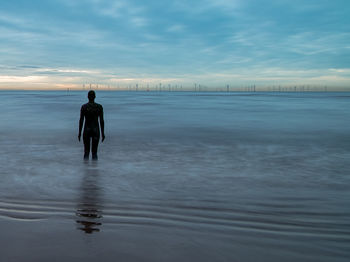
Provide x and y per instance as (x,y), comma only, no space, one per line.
(92,113)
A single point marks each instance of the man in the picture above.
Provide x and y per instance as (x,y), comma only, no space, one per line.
(91,112)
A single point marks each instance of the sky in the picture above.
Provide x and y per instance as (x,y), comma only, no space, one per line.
(68,43)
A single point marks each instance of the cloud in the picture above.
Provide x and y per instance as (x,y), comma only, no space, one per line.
(310,43)
(64,71)
(176,28)
(186,41)
(21,79)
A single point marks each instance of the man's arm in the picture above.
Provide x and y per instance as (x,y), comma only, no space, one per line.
(81,122)
(102,124)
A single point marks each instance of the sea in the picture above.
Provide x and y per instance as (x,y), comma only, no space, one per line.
(181,176)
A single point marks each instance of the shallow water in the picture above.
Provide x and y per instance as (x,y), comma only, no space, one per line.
(181,177)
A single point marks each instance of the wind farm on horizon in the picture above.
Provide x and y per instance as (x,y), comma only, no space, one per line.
(206,88)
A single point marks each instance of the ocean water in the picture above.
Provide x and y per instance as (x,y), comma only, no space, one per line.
(181,176)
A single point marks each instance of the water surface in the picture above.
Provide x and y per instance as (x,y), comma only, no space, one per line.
(181,176)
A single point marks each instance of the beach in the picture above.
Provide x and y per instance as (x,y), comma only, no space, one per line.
(181,176)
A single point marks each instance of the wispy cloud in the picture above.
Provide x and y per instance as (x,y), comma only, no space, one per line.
(21,79)
(209,41)
(64,71)
(176,28)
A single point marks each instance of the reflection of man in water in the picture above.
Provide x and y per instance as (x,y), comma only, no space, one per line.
(92,112)
(89,209)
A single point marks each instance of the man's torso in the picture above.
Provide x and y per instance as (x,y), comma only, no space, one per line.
(91,112)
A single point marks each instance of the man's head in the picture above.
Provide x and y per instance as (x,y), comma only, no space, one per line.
(91,95)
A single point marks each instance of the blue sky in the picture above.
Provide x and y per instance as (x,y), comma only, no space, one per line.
(65,43)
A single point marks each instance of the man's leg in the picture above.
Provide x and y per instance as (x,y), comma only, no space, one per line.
(86,140)
(95,140)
